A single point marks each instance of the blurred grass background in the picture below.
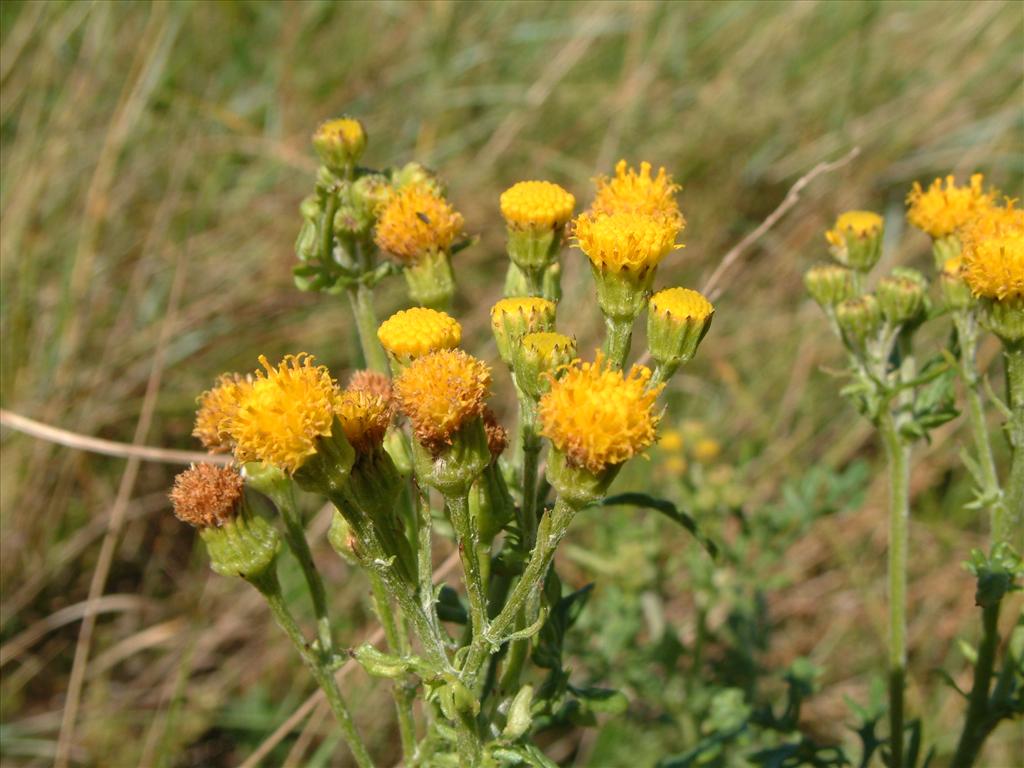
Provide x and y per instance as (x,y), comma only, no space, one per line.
(153,158)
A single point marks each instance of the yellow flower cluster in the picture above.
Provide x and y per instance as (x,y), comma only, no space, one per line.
(681,303)
(216,406)
(637,192)
(282,413)
(942,211)
(365,419)
(417,221)
(993,253)
(440,392)
(857,223)
(599,416)
(415,332)
(536,205)
(206,496)
(626,242)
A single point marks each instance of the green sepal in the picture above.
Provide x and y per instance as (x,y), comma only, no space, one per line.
(327,470)
(578,486)
(430,281)
(457,466)
(623,294)
(246,546)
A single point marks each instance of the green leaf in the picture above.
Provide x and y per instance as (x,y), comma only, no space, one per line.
(548,653)
(450,607)
(666,508)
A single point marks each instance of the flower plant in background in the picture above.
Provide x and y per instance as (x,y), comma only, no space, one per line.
(409,449)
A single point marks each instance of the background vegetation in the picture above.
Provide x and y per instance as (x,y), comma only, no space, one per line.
(153,158)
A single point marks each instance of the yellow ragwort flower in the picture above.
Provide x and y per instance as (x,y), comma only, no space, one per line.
(365,418)
(417,221)
(941,211)
(599,416)
(626,242)
(441,392)
(859,223)
(283,412)
(632,192)
(206,496)
(417,331)
(681,303)
(340,141)
(536,205)
(993,253)
(671,440)
(216,406)
(372,383)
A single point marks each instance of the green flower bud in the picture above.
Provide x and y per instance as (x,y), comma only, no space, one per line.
(677,320)
(901,296)
(944,249)
(430,280)
(519,716)
(514,318)
(856,240)
(340,142)
(416,174)
(310,208)
(829,284)
(956,294)
(343,540)
(1004,318)
(860,318)
(539,356)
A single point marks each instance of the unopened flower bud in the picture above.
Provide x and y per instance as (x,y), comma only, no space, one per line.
(677,319)
(956,295)
(415,174)
(1004,318)
(901,296)
(829,284)
(538,359)
(860,317)
(340,142)
(856,240)
(513,318)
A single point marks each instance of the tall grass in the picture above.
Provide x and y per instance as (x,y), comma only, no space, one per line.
(148,143)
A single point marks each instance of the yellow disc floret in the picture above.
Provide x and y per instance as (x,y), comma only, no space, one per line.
(993,253)
(681,303)
(598,416)
(633,192)
(626,242)
(415,332)
(857,223)
(216,406)
(417,221)
(441,392)
(365,418)
(536,205)
(941,211)
(283,412)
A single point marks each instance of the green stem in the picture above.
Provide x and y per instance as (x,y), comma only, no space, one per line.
(618,335)
(531,445)
(317,665)
(469,541)
(991,493)
(898,458)
(978,724)
(361,298)
(1011,526)
(295,535)
(399,691)
(553,526)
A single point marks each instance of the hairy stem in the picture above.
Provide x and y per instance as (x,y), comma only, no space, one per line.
(898,458)
(317,665)
(978,724)
(1011,528)
(361,298)
(618,335)
(399,691)
(469,541)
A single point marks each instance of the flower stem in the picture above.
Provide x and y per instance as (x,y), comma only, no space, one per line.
(978,723)
(361,298)
(1011,526)
(399,691)
(967,334)
(469,540)
(898,458)
(316,663)
(618,335)
(531,445)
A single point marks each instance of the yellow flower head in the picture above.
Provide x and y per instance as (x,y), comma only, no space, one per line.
(372,383)
(417,221)
(536,205)
(632,192)
(599,416)
(941,211)
(441,392)
(206,496)
(533,312)
(340,141)
(626,242)
(415,332)
(858,223)
(993,253)
(283,412)
(365,418)
(682,303)
(216,406)
(671,440)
